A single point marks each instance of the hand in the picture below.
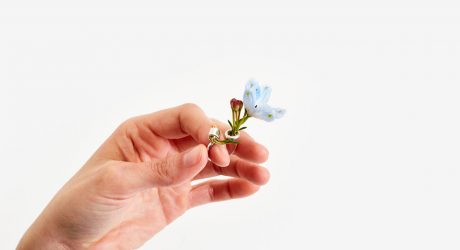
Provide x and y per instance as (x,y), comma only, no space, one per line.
(140,180)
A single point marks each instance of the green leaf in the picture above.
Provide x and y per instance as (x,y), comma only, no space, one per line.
(243,120)
(230,123)
(230,141)
(243,128)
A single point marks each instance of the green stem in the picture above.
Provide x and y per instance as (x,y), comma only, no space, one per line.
(235,117)
(235,125)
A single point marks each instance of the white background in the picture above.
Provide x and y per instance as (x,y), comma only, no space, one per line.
(367,156)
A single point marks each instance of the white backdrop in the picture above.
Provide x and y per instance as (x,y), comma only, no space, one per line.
(367,156)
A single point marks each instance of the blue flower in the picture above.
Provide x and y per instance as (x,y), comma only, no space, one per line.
(255,100)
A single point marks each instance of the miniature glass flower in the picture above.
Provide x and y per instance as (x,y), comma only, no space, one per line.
(255,100)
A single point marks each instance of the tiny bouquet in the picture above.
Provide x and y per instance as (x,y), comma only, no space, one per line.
(254,104)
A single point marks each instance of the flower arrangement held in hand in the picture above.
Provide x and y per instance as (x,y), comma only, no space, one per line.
(255,104)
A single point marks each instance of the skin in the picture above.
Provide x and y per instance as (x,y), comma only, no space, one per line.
(140,180)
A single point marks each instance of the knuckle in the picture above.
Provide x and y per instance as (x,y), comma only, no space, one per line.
(128,125)
(211,194)
(191,107)
(218,170)
(238,167)
(229,190)
(162,171)
(110,179)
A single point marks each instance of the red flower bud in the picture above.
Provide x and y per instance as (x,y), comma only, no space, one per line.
(236,104)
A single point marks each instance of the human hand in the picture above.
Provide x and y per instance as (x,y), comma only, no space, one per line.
(140,180)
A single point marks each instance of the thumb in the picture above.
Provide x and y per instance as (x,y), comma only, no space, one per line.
(172,170)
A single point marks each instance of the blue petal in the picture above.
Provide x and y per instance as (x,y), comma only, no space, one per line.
(255,99)
(250,96)
(252,85)
(278,112)
(269,114)
(264,95)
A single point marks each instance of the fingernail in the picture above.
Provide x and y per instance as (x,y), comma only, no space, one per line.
(222,149)
(222,155)
(192,157)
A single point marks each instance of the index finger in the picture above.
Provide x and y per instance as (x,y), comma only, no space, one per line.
(186,120)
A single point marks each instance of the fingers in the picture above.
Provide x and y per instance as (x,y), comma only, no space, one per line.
(238,168)
(189,120)
(182,121)
(221,190)
(219,155)
(170,171)
(247,148)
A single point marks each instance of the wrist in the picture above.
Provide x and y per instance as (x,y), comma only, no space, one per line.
(42,237)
